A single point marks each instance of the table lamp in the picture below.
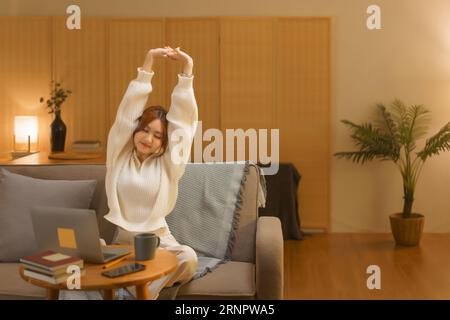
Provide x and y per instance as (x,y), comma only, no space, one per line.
(25,132)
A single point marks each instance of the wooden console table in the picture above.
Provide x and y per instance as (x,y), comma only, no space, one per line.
(42,158)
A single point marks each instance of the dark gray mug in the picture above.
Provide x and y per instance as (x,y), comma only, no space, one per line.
(145,245)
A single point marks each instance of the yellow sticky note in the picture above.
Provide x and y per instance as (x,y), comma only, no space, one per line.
(66,238)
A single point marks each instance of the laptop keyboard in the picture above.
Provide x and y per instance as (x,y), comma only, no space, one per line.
(113,252)
(108,255)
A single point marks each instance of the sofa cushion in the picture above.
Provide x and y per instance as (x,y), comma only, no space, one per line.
(241,276)
(12,285)
(63,171)
(19,193)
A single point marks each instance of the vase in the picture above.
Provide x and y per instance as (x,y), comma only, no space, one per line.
(58,133)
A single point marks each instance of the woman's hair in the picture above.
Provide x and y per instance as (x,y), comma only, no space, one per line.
(150,114)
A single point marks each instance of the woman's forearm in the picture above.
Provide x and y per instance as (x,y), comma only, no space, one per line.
(148,63)
(187,68)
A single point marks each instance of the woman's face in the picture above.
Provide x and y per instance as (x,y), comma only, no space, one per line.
(149,140)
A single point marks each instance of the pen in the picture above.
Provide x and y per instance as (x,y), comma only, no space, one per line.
(115,261)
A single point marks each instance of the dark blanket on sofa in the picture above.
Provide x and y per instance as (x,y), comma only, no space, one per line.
(281,200)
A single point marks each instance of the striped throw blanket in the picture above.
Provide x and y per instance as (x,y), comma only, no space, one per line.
(206,215)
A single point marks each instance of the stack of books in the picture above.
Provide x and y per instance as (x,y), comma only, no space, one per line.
(50,266)
(86,146)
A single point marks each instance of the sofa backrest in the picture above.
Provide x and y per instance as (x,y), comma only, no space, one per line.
(75,172)
(244,247)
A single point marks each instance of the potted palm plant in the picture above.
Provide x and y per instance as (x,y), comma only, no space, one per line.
(393,137)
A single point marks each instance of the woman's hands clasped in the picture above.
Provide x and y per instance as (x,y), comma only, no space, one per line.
(159,52)
(172,54)
(178,55)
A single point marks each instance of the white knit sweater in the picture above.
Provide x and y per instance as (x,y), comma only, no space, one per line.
(141,195)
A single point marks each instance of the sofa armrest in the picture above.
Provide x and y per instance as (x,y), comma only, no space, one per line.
(269,259)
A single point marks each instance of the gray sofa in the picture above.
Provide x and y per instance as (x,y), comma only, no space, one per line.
(256,269)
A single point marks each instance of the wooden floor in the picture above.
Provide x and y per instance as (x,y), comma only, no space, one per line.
(333,266)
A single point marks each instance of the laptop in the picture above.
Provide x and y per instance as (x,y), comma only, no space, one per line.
(73,232)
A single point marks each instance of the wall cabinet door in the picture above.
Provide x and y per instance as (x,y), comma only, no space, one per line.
(79,62)
(25,69)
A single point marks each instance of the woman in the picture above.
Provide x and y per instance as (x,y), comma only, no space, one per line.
(146,156)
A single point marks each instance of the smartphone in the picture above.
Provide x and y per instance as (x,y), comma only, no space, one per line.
(123,270)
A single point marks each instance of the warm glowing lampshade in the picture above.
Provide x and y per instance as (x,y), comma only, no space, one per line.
(24,127)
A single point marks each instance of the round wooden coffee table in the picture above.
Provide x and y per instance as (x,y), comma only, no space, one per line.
(164,263)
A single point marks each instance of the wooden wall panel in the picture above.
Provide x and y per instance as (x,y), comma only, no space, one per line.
(303,110)
(199,37)
(247,78)
(246,69)
(249,73)
(25,69)
(128,43)
(79,62)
